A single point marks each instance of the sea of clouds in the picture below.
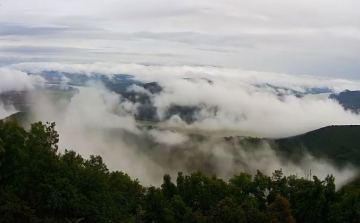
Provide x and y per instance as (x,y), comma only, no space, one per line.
(244,103)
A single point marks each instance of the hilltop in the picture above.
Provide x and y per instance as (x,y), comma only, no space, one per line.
(340,144)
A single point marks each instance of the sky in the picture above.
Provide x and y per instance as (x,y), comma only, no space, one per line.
(311,37)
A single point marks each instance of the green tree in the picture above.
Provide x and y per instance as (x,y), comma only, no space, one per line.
(260,188)
(180,211)
(227,211)
(168,187)
(241,187)
(14,210)
(40,184)
(278,185)
(252,214)
(154,205)
(279,211)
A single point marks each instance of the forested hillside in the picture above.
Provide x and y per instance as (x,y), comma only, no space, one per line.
(39,184)
(350,100)
(340,144)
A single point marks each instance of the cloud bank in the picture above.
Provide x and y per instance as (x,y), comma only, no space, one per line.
(88,126)
(15,80)
(231,101)
(162,73)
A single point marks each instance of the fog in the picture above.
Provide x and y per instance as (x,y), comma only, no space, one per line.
(163,73)
(6,111)
(15,80)
(236,101)
(88,125)
(250,111)
(231,102)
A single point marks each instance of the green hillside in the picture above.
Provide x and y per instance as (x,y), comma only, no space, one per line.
(350,100)
(21,117)
(39,184)
(341,144)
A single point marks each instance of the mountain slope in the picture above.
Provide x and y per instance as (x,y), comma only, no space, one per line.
(340,144)
(350,100)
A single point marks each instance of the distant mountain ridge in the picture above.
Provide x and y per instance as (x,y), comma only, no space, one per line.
(283,91)
(350,100)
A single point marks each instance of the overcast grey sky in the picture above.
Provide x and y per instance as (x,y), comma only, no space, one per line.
(314,37)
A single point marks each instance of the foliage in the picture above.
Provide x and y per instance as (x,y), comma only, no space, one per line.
(338,144)
(40,184)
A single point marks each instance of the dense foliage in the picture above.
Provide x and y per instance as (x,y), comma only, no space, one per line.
(339,144)
(39,184)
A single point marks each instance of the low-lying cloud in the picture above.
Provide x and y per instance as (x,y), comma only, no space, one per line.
(88,126)
(168,137)
(229,101)
(246,110)
(163,73)
(15,80)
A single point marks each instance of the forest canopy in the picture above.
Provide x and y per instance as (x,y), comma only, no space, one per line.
(38,183)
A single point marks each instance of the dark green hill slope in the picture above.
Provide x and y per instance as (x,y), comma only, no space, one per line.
(23,118)
(39,184)
(350,100)
(341,144)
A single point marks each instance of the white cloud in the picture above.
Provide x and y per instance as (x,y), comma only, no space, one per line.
(14,80)
(6,111)
(241,107)
(302,37)
(244,111)
(87,126)
(138,89)
(165,73)
(168,137)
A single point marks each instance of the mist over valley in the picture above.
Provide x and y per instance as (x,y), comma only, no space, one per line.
(206,111)
(168,124)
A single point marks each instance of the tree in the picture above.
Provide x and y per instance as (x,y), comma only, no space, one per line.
(181,212)
(260,187)
(14,210)
(277,186)
(168,187)
(154,205)
(2,151)
(40,184)
(241,187)
(279,211)
(330,196)
(252,214)
(227,211)
(346,210)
